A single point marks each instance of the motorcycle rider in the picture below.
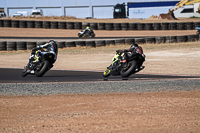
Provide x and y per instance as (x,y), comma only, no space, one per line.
(135,49)
(51,47)
(87,29)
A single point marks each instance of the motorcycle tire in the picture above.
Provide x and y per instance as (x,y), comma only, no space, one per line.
(92,35)
(24,72)
(79,35)
(106,73)
(44,69)
(130,70)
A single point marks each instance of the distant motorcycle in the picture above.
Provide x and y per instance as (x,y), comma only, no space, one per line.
(89,33)
(40,64)
(198,30)
(124,64)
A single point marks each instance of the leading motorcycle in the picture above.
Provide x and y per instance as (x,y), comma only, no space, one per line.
(124,64)
(39,64)
(89,33)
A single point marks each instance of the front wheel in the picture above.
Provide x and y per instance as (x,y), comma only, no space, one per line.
(43,68)
(106,73)
(92,35)
(24,72)
(126,72)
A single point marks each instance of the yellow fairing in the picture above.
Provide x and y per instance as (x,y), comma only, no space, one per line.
(106,71)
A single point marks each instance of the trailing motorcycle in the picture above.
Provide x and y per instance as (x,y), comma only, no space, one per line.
(124,64)
(39,64)
(88,33)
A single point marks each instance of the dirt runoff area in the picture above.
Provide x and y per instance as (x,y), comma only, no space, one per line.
(131,112)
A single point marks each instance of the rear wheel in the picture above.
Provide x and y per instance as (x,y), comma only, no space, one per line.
(42,69)
(130,69)
(79,35)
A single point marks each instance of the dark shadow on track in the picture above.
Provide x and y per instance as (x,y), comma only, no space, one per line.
(14,76)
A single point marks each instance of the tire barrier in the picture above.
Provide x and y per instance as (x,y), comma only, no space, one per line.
(78,25)
(70,25)
(38,24)
(109,26)
(165,26)
(70,44)
(1,23)
(15,24)
(22,24)
(7,23)
(129,41)
(140,26)
(101,26)
(94,26)
(100,43)
(109,42)
(21,46)
(90,43)
(117,26)
(62,25)
(182,39)
(149,26)
(54,25)
(2,45)
(125,26)
(11,46)
(181,26)
(133,26)
(160,39)
(80,43)
(192,38)
(30,45)
(119,42)
(173,26)
(47,24)
(150,40)
(30,24)
(170,39)
(139,40)
(157,26)
(60,44)
(189,26)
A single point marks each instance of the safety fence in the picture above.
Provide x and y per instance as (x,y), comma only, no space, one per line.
(99,26)
(28,45)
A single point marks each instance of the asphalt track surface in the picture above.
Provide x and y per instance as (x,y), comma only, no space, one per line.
(14,76)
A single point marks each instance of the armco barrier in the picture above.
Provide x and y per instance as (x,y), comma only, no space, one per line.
(23,45)
(99,26)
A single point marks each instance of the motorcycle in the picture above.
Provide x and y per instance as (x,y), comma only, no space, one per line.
(86,34)
(124,64)
(39,64)
(198,30)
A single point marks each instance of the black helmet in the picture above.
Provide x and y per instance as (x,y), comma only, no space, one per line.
(134,45)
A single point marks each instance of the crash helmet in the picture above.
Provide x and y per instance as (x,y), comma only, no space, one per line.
(134,45)
(87,27)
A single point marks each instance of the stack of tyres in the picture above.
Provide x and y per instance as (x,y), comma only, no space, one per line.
(30,24)
(62,25)
(15,23)
(181,26)
(22,24)
(30,45)
(93,26)
(140,26)
(70,44)
(132,26)
(1,23)
(21,46)
(78,25)
(70,25)
(47,24)
(2,45)
(149,26)
(196,24)
(119,42)
(165,26)
(11,46)
(101,26)
(129,41)
(117,26)
(189,26)
(173,26)
(157,26)
(38,24)
(7,23)
(54,25)
(125,26)
(90,43)
(99,43)
(109,26)
(60,44)
(109,42)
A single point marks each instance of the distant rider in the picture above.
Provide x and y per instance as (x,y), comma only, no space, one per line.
(87,29)
(135,50)
(51,47)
